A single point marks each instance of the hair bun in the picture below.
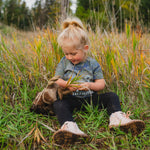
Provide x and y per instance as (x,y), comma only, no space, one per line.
(75,22)
(72,28)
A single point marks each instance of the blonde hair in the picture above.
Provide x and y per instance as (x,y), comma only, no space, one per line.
(73,28)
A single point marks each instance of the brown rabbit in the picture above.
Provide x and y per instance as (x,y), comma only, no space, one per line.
(43,102)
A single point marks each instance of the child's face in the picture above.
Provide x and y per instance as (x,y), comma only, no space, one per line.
(72,54)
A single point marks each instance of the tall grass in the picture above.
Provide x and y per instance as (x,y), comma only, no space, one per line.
(28,61)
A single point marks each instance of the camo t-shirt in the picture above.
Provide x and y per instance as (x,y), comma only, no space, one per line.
(89,70)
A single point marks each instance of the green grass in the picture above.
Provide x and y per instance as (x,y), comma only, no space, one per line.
(28,60)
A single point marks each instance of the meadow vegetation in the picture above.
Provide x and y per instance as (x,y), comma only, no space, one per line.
(28,60)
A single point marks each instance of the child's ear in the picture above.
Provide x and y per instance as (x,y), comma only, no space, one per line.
(86,47)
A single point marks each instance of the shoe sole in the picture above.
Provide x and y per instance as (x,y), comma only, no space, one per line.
(63,137)
(135,127)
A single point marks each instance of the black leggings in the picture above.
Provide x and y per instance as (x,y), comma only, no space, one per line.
(65,107)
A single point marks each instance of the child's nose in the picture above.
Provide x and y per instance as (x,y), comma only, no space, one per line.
(69,57)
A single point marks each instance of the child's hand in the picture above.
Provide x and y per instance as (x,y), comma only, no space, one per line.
(72,88)
(85,86)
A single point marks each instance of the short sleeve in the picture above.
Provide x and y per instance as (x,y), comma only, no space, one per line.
(60,68)
(97,71)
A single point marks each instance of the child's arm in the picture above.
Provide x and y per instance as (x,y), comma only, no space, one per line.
(63,83)
(98,85)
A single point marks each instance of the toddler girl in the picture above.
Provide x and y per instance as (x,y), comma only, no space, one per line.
(75,44)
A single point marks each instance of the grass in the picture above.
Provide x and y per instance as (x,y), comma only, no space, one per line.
(28,61)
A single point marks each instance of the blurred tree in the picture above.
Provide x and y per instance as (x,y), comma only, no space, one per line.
(37,14)
(83,9)
(24,17)
(15,13)
(44,13)
(145,12)
(64,8)
(112,14)
(92,12)
(126,11)
(52,11)
(1,4)
(106,14)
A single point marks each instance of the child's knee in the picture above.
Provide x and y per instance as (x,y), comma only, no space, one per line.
(58,105)
(113,95)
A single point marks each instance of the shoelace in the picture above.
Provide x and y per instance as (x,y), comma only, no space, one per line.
(128,114)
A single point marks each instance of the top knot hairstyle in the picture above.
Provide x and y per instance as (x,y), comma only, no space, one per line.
(72,22)
(73,28)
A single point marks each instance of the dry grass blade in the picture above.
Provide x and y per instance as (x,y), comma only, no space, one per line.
(71,82)
(40,134)
(27,135)
(47,127)
(36,136)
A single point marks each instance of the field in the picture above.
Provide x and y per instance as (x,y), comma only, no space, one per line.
(28,60)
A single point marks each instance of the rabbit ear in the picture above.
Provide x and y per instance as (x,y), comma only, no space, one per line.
(55,78)
(52,80)
(60,93)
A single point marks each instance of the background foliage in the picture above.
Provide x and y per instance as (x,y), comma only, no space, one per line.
(113,14)
(107,14)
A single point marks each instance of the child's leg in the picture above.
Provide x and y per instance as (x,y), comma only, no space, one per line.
(110,101)
(69,132)
(63,111)
(117,118)
(122,120)
(65,107)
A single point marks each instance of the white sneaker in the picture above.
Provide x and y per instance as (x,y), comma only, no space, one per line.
(69,134)
(122,120)
(72,127)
